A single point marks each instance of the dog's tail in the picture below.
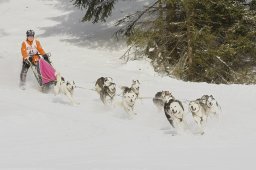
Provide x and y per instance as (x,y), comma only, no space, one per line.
(123,88)
(158,101)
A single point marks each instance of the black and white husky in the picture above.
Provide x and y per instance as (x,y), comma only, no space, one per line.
(128,101)
(108,93)
(102,82)
(210,105)
(198,112)
(174,112)
(161,98)
(135,87)
(64,87)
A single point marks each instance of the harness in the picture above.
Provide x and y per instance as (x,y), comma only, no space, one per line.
(111,95)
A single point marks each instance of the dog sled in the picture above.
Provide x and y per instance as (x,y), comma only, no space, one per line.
(44,73)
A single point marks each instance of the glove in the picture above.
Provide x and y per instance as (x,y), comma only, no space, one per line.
(46,58)
(26,60)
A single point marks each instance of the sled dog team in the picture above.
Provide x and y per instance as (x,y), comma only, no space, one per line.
(201,109)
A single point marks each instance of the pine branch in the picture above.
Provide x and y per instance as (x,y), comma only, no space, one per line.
(127,30)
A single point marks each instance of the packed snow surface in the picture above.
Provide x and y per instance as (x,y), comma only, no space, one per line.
(43,131)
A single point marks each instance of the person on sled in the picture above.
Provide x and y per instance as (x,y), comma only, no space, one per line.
(30,50)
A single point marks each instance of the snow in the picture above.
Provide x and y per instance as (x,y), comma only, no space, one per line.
(43,131)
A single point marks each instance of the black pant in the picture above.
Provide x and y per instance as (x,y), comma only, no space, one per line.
(24,71)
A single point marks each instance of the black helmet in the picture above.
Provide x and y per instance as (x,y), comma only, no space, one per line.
(30,33)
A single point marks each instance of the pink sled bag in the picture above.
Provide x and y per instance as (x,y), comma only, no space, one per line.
(47,71)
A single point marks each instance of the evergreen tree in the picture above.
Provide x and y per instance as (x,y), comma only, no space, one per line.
(96,10)
(212,41)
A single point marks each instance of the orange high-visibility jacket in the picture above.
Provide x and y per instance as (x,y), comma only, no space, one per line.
(25,53)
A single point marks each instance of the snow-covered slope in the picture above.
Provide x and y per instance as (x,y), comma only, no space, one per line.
(42,131)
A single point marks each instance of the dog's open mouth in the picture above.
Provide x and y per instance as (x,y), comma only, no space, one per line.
(131,104)
(193,109)
(112,90)
(174,111)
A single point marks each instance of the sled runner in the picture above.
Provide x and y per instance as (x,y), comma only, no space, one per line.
(44,73)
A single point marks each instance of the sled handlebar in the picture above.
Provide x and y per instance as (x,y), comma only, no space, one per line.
(49,54)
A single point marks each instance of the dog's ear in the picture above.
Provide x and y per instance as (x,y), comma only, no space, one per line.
(171,101)
(74,83)
(162,93)
(138,81)
(203,97)
(166,106)
(201,100)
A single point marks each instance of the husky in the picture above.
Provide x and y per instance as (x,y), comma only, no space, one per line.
(135,87)
(128,101)
(65,88)
(174,112)
(210,105)
(161,98)
(108,93)
(198,112)
(101,82)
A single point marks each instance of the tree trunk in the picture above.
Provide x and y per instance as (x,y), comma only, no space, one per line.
(189,25)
